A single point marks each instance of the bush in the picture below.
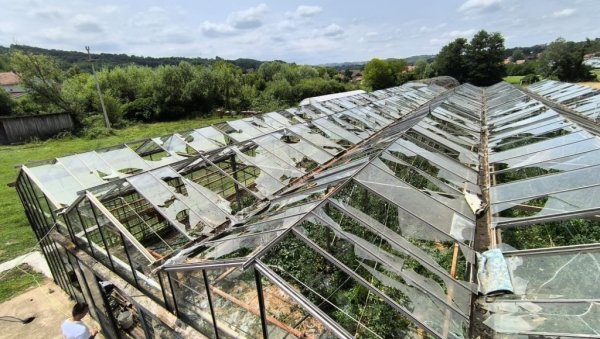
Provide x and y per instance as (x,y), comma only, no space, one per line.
(6,103)
(97,132)
(530,79)
(141,109)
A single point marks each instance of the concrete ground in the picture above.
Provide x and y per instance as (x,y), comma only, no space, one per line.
(34,259)
(48,303)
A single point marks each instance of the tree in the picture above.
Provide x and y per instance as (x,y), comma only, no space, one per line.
(452,60)
(517,55)
(484,58)
(398,68)
(42,77)
(227,80)
(528,67)
(423,69)
(378,74)
(563,60)
(169,90)
(478,62)
(6,103)
(4,62)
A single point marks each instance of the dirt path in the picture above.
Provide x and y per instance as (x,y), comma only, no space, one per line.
(595,85)
(50,306)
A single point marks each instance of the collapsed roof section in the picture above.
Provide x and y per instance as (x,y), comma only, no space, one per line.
(372,196)
(232,194)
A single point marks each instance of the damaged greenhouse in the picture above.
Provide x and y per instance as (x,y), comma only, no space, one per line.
(416,211)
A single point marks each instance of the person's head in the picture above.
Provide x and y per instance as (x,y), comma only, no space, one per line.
(79,311)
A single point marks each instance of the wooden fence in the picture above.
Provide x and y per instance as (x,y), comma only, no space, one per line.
(20,129)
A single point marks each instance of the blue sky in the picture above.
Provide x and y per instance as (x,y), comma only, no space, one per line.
(310,32)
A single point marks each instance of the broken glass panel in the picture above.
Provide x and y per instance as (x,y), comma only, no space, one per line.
(175,145)
(335,132)
(567,191)
(316,137)
(235,302)
(274,174)
(192,301)
(188,205)
(548,319)
(336,293)
(88,168)
(239,245)
(554,275)
(378,264)
(413,201)
(123,159)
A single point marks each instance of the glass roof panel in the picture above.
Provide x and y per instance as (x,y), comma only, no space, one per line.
(458,226)
(57,182)
(177,197)
(87,168)
(124,160)
(567,191)
(555,275)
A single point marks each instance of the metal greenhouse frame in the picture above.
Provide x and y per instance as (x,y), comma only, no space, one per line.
(356,215)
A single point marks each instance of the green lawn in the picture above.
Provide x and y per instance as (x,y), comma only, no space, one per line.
(597,72)
(16,236)
(513,79)
(17,280)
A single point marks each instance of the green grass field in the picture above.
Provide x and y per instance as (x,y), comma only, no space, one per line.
(513,79)
(16,236)
(17,280)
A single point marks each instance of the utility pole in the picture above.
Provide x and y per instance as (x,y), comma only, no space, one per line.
(91,61)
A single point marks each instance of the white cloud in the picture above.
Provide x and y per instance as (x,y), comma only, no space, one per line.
(236,22)
(436,41)
(287,25)
(152,17)
(108,9)
(212,29)
(563,13)
(332,31)
(452,35)
(376,37)
(86,24)
(460,34)
(426,29)
(48,13)
(307,11)
(249,18)
(479,6)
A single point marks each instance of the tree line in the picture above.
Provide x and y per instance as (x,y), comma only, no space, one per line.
(158,89)
(480,61)
(167,92)
(78,60)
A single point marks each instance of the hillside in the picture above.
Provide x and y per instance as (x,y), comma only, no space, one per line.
(68,59)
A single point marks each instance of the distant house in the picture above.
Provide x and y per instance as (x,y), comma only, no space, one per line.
(506,61)
(593,62)
(11,83)
(357,76)
(591,56)
(520,62)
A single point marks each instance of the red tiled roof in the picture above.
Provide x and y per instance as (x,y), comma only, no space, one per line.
(9,78)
